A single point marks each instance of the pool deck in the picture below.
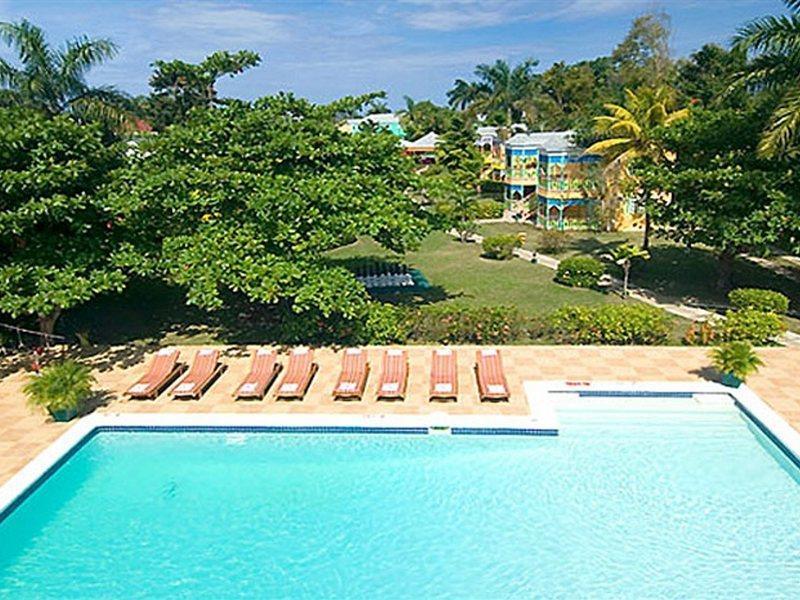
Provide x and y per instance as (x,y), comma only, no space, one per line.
(24,433)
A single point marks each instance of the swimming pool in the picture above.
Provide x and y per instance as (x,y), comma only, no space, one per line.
(673,503)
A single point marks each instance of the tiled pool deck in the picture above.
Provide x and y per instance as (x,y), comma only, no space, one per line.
(24,433)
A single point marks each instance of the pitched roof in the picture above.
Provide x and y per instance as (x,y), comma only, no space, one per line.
(550,141)
(429,140)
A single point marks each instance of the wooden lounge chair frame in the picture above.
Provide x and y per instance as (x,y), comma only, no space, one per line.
(145,390)
(194,393)
(444,384)
(255,385)
(492,384)
(396,389)
(296,390)
(353,377)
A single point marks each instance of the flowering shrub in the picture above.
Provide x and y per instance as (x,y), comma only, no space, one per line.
(751,325)
(580,271)
(759,299)
(447,324)
(615,324)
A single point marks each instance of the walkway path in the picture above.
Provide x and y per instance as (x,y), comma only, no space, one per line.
(693,313)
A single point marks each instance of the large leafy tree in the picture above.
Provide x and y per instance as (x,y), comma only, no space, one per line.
(420,117)
(722,193)
(178,86)
(630,132)
(775,43)
(248,199)
(705,77)
(642,59)
(57,238)
(499,92)
(53,80)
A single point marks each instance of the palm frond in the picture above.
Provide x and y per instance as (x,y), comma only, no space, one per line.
(81,54)
(770,34)
(605,147)
(9,76)
(102,104)
(784,126)
(27,39)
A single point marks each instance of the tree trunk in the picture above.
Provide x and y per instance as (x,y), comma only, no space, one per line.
(626,269)
(647,228)
(725,272)
(47,323)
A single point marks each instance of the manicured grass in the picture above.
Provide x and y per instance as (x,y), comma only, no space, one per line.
(459,274)
(675,273)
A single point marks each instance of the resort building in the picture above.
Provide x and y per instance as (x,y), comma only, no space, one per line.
(422,149)
(545,176)
(388,121)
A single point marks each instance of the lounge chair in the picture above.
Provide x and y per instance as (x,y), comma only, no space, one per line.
(444,375)
(204,370)
(492,383)
(299,373)
(263,371)
(392,385)
(163,370)
(353,377)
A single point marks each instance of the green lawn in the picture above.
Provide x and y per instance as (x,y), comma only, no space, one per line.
(675,273)
(458,273)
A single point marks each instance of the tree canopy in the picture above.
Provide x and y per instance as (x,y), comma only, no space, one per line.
(248,198)
(57,237)
(721,193)
(178,86)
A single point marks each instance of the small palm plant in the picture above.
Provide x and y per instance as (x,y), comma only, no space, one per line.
(624,256)
(736,361)
(62,389)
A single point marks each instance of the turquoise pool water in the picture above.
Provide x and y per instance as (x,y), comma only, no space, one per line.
(667,505)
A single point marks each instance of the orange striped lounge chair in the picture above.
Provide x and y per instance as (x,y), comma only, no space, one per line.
(394,376)
(263,371)
(353,378)
(492,383)
(444,375)
(204,370)
(163,370)
(299,373)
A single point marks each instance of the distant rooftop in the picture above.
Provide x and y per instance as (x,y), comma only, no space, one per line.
(429,140)
(551,141)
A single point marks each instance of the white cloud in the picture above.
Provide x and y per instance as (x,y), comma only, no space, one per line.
(455,15)
(226,23)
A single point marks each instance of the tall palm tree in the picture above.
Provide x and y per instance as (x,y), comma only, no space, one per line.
(462,95)
(775,43)
(53,79)
(499,90)
(629,133)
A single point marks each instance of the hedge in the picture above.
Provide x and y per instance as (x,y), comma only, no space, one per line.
(614,324)
(758,299)
(448,324)
(580,271)
(748,324)
(486,208)
(501,247)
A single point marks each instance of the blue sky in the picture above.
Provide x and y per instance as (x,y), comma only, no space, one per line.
(327,49)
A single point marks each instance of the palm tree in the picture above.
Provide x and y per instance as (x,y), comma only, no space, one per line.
(500,90)
(630,133)
(624,255)
(775,42)
(53,79)
(462,95)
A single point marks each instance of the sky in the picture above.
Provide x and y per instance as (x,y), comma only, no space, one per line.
(327,49)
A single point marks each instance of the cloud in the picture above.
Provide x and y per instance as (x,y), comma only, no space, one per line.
(456,15)
(226,23)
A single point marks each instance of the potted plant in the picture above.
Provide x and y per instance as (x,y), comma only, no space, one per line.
(62,389)
(735,360)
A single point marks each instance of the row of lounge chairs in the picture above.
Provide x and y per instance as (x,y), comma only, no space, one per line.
(301,368)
